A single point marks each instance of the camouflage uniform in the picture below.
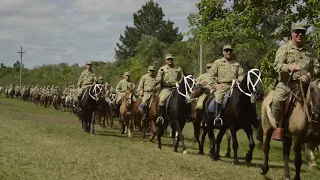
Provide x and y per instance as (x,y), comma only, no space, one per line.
(206,87)
(87,78)
(167,77)
(288,54)
(122,87)
(223,72)
(147,88)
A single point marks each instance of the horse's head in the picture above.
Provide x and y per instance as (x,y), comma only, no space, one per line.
(252,83)
(128,97)
(186,86)
(314,98)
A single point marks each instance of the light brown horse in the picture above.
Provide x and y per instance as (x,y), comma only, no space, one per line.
(151,117)
(295,127)
(126,108)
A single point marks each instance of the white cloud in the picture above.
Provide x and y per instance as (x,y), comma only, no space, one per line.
(72,31)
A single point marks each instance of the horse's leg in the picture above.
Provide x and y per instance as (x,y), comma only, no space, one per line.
(266,147)
(219,139)
(175,139)
(234,145)
(203,137)
(159,134)
(310,158)
(297,147)
(249,133)
(92,118)
(211,136)
(130,126)
(286,143)
(153,129)
(197,130)
(228,154)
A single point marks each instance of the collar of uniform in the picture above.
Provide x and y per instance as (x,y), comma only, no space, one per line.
(226,60)
(293,46)
(167,66)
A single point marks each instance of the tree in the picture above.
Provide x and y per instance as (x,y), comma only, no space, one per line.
(146,21)
(2,65)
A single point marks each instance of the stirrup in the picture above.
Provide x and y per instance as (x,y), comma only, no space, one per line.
(160,120)
(216,120)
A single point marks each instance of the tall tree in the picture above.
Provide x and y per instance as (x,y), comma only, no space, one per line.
(146,21)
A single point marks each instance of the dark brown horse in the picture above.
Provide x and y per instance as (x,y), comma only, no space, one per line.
(296,126)
(151,117)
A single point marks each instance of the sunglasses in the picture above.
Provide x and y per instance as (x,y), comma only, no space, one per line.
(298,32)
(208,67)
(228,50)
(169,59)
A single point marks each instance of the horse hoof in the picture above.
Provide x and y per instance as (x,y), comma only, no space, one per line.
(248,158)
(175,150)
(185,152)
(235,162)
(264,171)
(227,155)
(214,157)
(159,147)
(200,153)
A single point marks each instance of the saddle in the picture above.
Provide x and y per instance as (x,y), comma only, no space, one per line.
(149,101)
(211,107)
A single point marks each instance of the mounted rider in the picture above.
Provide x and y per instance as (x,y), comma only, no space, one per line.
(147,89)
(291,57)
(87,78)
(224,71)
(205,84)
(123,86)
(168,75)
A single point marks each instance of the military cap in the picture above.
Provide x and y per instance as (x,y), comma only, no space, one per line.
(227,47)
(100,78)
(209,65)
(151,68)
(88,63)
(126,74)
(296,26)
(169,56)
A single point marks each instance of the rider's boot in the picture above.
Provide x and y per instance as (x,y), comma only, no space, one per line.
(277,133)
(218,107)
(160,114)
(145,112)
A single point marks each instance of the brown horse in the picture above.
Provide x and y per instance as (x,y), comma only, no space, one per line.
(296,128)
(151,117)
(126,109)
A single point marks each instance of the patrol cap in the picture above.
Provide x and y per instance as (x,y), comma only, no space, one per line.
(169,56)
(88,63)
(209,65)
(227,47)
(126,74)
(298,26)
(151,68)
(100,78)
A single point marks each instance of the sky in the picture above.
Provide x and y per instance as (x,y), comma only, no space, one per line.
(73,31)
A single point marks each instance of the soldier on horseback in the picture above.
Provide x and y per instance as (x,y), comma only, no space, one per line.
(224,71)
(147,89)
(292,56)
(87,78)
(205,84)
(168,75)
(122,87)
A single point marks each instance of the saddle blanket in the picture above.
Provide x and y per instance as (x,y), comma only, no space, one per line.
(211,107)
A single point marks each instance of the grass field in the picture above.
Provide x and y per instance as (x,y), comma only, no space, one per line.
(38,143)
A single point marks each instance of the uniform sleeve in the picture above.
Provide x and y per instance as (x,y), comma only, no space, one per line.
(95,78)
(316,67)
(280,63)
(119,87)
(80,80)
(159,77)
(198,80)
(213,73)
(241,74)
(140,85)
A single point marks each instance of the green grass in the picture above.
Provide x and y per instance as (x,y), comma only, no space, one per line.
(38,143)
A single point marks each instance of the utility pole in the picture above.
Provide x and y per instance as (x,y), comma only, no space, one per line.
(201,58)
(21,52)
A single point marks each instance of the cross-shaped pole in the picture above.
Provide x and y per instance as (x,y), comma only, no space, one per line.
(21,52)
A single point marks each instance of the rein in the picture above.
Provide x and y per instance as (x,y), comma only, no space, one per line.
(97,88)
(249,83)
(187,87)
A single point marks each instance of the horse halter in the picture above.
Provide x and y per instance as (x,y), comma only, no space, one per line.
(97,88)
(250,83)
(187,87)
(113,97)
